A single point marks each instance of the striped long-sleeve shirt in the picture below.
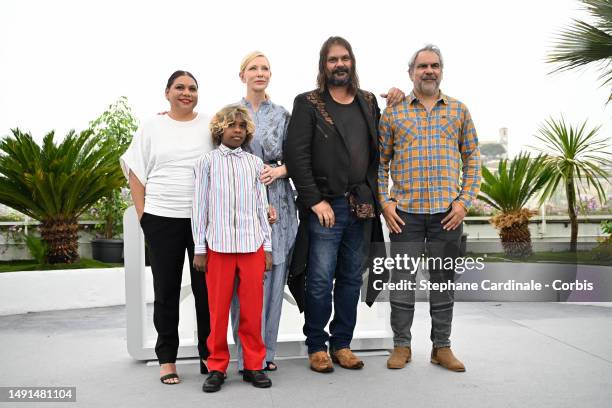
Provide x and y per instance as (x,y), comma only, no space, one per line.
(230,206)
(424,152)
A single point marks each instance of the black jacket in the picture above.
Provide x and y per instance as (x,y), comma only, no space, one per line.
(318,162)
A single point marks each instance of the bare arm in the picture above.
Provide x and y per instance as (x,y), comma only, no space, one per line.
(138,194)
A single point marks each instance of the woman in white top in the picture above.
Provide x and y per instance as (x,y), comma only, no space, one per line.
(159,166)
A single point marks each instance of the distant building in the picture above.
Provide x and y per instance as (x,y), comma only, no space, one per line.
(492,152)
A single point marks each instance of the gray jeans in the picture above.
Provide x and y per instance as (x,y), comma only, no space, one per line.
(423,237)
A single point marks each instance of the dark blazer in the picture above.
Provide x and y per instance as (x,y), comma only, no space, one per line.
(318,162)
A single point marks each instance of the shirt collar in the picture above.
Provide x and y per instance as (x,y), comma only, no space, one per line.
(412,97)
(246,103)
(227,151)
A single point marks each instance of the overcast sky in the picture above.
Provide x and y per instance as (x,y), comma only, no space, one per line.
(62,62)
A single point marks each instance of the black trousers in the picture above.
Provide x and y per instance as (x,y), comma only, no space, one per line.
(167,239)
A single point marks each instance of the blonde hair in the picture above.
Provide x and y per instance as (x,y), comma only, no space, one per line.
(250,57)
(227,117)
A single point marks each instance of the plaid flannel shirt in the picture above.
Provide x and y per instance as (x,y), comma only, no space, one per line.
(428,155)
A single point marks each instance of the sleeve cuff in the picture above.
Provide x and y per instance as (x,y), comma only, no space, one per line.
(309,203)
(267,247)
(464,203)
(128,165)
(199,249)
(385,202)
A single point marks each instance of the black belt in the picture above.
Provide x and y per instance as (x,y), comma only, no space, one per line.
(275,162)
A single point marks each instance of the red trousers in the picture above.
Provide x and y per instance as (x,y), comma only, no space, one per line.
(222,270)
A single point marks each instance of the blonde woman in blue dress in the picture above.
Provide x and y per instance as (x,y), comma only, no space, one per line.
(271,122)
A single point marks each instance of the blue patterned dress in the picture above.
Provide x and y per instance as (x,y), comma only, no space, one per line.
(271,123)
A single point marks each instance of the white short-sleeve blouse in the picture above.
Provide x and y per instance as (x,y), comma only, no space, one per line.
(162,156)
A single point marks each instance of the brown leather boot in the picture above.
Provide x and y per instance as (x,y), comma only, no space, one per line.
(320,362)
(400,356)
(346,359)
(444,356)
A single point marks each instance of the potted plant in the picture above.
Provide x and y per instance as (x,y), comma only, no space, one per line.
(116,125)
(55,183)
(508,190)
(108,211)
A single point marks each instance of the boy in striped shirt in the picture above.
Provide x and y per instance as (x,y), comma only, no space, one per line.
(232,238)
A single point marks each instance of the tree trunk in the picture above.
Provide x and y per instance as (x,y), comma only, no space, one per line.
(570,192)
(516,240)
(61,235)
(108,227)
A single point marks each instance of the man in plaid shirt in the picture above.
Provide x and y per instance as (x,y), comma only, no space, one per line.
(429,147)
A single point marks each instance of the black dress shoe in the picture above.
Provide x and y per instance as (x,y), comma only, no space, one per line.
(258,378)
(213,381)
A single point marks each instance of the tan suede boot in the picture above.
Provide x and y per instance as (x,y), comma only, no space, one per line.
(320,362)
(346,359)
(444,356)
(399,357)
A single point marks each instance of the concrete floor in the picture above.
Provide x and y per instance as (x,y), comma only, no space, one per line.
(516,354)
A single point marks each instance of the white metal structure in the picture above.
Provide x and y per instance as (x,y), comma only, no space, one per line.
(373,331)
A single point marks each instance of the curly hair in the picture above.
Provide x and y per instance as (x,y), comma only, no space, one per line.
(227,117)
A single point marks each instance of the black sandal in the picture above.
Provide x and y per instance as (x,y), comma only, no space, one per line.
(271,366)
(170,376)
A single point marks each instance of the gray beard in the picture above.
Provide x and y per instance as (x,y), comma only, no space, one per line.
(427,90)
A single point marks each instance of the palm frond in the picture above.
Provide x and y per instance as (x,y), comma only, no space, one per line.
(575,153)
(583,43)
(56,180)
(514,183)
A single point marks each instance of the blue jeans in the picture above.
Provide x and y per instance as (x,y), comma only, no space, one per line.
(335,252)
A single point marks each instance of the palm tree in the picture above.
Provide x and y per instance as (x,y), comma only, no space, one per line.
(508,190)
(576,157)
(583,43)
(55,183)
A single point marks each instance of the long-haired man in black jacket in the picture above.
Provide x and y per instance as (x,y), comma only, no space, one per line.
(332,157)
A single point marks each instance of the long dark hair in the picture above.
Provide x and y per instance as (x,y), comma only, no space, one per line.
(177,74)
(322,78)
